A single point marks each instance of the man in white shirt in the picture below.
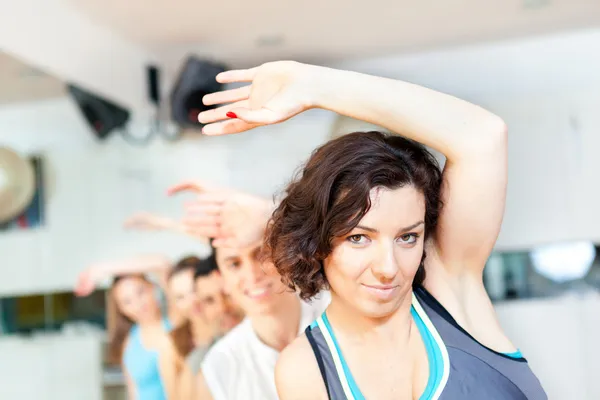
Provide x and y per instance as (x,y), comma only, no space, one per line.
(242,364)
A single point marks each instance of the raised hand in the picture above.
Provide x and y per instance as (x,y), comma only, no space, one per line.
(278,91)
(86,283)
(149,222)
(232,218)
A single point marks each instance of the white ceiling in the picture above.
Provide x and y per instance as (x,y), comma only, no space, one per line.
(20,82)
(243,32)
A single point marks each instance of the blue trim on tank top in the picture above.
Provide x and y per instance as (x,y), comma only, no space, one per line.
(434,355)
(514,354)
(351,382)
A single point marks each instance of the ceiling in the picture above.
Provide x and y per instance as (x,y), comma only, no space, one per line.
(20,82)
(242,32)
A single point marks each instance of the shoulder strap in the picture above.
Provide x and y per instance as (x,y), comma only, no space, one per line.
(319,357)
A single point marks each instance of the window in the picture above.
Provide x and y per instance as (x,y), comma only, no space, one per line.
(51,312)
(513,275)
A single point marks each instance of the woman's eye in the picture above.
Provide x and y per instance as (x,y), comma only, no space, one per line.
(356,239)
(409,238)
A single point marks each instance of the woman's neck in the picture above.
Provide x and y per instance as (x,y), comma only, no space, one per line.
(279,328)
(151,321)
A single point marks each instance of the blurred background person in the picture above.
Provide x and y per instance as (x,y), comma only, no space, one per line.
(139,329)
(208,318)
(242,364)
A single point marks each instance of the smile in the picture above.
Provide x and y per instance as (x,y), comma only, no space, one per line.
(383,292)
(258,293)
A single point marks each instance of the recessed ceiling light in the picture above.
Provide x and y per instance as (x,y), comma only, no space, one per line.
(269,40)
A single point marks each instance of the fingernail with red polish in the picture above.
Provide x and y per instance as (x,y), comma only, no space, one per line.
(231,114)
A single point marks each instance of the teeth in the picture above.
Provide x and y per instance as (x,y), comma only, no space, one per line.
(257,292)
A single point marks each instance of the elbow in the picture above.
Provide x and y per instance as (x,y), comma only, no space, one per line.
(499,131)
(490,138)
(498,136)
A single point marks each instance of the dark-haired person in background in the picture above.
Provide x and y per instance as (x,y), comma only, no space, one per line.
(409,316)
(209,317)
(242,364)
(218,308)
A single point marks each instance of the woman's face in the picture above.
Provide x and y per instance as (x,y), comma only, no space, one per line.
(182,293)
(372,267)
(136,299)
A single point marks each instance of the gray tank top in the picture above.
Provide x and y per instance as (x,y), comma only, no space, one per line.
(194,359)
(196,356)
(459,366)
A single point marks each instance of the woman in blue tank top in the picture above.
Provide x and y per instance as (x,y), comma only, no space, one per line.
(137,317)
(140,330)
(400,244)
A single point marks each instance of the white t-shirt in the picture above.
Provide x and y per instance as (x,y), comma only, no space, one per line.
(241,367)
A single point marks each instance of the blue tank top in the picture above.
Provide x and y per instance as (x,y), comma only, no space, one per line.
(459,366)
(142,366)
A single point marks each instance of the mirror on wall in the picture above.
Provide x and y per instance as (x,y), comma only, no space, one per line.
(554,269)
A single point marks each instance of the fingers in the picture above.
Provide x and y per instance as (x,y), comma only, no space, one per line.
(227,96)
(214,198)
(193,186)
(262,116)
(212,209)
(183,187)
(241,120)
(192,228)
(239,75)
(229,127)
(202,220)
(139,219)
(220,113)
(84,285)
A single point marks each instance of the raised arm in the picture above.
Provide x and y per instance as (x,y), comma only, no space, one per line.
(473,140)
(168,364)
(152,263)
(144,221)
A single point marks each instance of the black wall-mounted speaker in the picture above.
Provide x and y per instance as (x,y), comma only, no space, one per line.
(102,115)
(197,78)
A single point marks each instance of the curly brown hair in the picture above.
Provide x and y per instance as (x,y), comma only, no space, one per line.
(330,195)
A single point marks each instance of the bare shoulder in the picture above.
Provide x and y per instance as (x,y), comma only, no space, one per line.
(297,374)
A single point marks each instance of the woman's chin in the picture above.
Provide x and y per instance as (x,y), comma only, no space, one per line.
(371,309)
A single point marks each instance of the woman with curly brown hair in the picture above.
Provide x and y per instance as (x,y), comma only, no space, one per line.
(400,244)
